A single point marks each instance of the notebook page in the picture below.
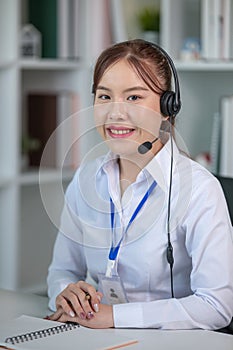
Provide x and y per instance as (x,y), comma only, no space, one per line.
(80,338)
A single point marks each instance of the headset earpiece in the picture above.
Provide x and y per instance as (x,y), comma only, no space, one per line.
(168,104)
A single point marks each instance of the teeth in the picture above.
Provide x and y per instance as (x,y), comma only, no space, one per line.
(120,132)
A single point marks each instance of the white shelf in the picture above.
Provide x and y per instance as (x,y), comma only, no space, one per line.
(6,64)
(44,176)
(5,181)
(207,66)
(49,64)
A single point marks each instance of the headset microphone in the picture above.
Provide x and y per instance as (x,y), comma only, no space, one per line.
(146,146)
(170,105)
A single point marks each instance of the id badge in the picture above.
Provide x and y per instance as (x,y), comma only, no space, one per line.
(113,289)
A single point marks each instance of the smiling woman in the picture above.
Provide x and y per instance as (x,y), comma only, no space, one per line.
(118,119)
(127,211)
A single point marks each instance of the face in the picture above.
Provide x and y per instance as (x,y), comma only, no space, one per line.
(127,112)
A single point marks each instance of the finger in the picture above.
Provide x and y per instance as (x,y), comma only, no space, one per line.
(66,318)
(71,300)
(62,301)
(95,300)
(91,298)
(55,316)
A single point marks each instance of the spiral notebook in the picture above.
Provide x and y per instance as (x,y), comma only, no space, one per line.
(28,332)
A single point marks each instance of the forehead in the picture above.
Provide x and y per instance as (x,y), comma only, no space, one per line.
(121,72)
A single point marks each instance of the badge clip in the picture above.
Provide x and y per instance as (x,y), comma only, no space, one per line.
(110,267)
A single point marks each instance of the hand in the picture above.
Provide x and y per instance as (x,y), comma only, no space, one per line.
(102,319)
(73,302)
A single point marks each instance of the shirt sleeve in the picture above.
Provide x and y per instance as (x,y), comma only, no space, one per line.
(68,263)
(209,244)
(68,266)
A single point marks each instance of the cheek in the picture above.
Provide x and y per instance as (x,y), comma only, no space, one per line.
(101,131)
(98,116)
(99,119)
(149,121)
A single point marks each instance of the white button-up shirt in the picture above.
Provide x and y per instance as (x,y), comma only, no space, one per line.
(200,231)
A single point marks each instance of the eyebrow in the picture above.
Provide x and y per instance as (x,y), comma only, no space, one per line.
(133,88)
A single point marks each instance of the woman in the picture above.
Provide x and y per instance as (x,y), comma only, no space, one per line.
(152,230)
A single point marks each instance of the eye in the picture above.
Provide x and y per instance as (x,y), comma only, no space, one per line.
(103,97)
(133,98)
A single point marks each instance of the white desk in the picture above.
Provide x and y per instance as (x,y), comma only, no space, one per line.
(14,304)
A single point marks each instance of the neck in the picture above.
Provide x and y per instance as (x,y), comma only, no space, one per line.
(130,167)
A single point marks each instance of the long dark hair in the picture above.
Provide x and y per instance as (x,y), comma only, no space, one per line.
(144,57)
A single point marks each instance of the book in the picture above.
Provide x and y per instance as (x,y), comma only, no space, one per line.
(226,30)
(68,29)
(226,146)
(26,332)
(211,21)
(63,17)
(43,15)
(100,34)
(119,32)
(58,23)
(216,29)
(77,29)
(51,124)
(204,28)
(41,124)
(215,143)
(63,132)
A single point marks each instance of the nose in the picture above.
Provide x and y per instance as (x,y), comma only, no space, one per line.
(117,111)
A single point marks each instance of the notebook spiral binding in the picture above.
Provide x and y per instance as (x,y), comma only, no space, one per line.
(41,333)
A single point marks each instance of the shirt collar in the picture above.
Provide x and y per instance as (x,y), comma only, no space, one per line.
(159,167)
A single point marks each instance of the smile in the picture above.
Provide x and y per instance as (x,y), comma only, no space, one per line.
(121,132)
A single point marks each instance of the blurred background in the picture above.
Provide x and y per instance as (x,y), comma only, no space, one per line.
(48,50)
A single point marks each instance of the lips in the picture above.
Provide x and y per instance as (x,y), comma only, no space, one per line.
(120,132)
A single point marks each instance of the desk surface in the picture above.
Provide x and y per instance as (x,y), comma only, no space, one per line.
(14,304)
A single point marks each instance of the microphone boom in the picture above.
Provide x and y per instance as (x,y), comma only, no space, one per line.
(146,146)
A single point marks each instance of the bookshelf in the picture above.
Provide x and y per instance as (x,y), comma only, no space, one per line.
(204,81)
(26,232)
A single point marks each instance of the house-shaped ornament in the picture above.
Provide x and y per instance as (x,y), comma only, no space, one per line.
(30,42)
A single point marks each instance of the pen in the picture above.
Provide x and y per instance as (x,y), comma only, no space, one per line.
(2,346)
(95,306)
(87,296)
(122,345)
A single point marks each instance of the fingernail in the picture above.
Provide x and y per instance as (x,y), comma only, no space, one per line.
(72,314)
(96,307)
(82,315)
(90,315)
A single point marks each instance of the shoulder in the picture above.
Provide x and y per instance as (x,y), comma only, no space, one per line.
(84,176)
(203,177)
(88,169)
(205,187)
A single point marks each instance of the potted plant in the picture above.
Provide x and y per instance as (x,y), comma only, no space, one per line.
(149,22)
(28,145)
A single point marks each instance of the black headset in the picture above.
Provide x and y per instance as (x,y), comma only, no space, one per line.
(170,103)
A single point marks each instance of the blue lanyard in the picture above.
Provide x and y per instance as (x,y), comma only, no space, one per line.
(114,250)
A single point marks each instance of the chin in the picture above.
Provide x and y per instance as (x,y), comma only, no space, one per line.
(122,147)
